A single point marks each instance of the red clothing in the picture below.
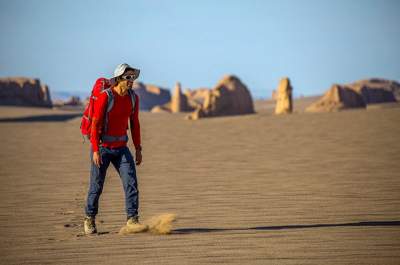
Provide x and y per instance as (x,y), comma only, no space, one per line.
(118,118)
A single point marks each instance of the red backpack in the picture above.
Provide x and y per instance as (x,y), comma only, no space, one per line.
(102,85)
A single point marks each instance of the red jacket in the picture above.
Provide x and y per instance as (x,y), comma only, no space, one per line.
(118,118)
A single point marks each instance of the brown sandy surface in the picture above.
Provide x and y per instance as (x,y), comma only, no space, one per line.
(256,189)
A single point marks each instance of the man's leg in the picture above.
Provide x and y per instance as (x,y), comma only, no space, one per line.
(97,177)
(125,165)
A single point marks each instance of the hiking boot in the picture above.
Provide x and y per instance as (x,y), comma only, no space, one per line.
(132,220)
(90,225)
(133,226)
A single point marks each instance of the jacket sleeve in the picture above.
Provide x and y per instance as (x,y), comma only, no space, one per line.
(98,119)
(135,125)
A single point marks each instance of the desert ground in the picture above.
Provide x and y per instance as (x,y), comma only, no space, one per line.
(256,189)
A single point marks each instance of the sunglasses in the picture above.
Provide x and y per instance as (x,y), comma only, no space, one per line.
(129,77)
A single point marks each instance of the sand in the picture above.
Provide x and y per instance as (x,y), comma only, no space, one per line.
(157,225)
(255,189)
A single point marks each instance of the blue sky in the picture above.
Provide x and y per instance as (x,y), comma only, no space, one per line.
(68,44)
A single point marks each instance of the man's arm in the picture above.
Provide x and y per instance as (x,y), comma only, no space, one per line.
(97,122)
(135,131)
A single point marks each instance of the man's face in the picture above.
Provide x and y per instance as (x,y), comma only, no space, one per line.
(128,74)
(126,81)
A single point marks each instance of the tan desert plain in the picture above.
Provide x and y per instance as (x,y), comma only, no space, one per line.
(305,188)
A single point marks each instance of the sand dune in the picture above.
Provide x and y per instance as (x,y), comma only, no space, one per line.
(255,189)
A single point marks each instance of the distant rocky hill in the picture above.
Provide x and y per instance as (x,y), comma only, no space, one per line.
(151,95)
(66,95)
(357,95)
(229,97)
(373,90)
(22,91)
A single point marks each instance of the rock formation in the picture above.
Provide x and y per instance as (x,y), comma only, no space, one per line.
(179,102)
(337,98)
(21,91)
(284,102)
(229,97)
(197,97)
(197,114)
(356,95)
(73,101)
(151,95)
(166,108)
(377,90)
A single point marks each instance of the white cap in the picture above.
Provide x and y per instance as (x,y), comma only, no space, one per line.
(121,68)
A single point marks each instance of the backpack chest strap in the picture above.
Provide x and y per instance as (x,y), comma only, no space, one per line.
(110,138)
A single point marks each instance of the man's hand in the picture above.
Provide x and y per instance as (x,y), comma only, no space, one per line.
(97,159)
(138,157)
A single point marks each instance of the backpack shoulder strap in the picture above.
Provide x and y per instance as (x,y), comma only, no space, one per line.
(110,101)
(132,94)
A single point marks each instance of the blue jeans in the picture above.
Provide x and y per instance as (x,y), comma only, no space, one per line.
(122,160)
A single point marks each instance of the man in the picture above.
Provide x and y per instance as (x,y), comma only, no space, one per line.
(109,144)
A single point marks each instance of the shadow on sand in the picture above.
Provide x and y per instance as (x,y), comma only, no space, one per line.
(43,118)
(284,227)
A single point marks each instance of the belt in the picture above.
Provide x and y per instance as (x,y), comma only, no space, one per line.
(110,138)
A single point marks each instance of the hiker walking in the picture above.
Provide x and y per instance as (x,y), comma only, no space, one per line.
(112,104)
